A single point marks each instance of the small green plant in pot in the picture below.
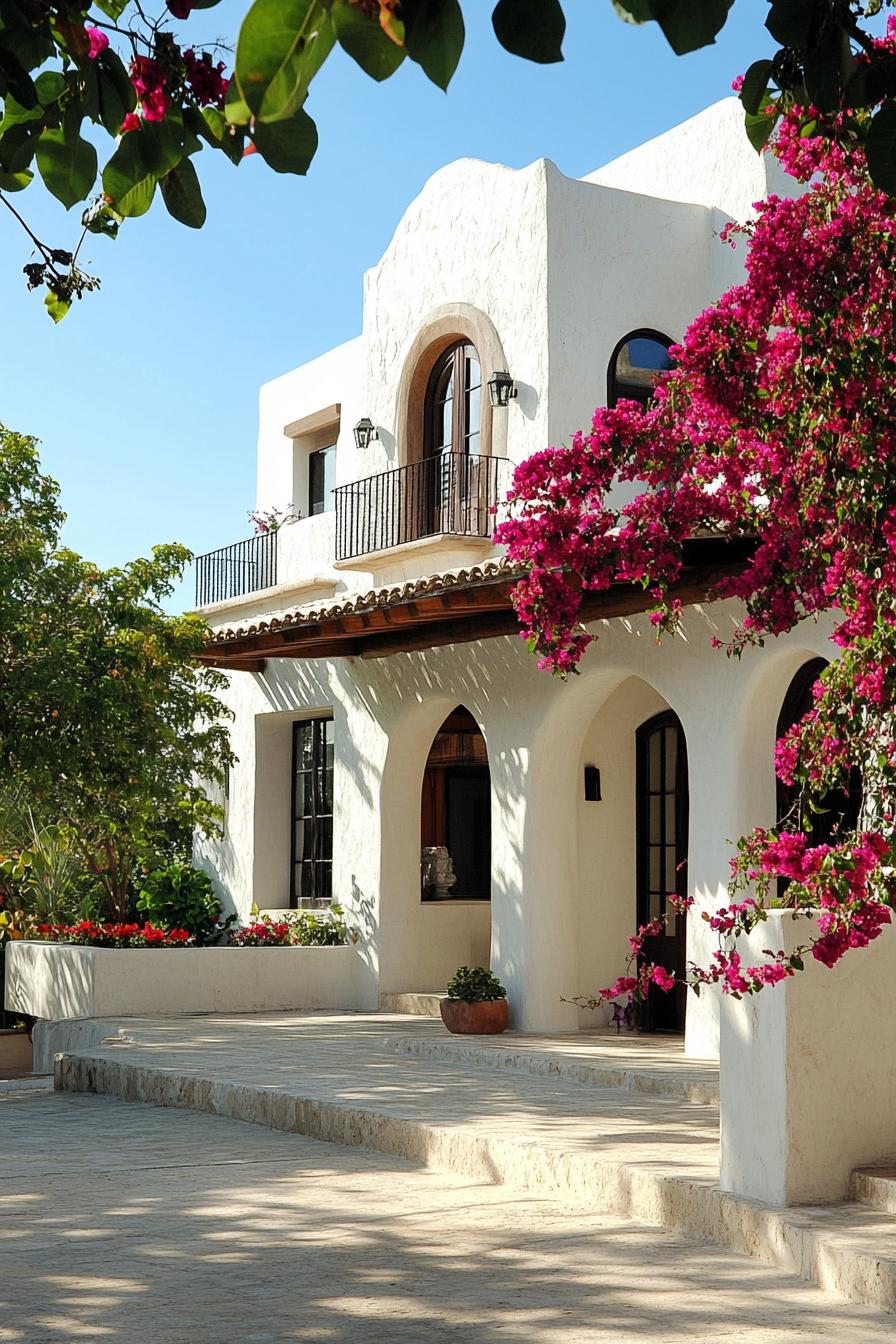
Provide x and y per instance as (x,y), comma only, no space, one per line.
(476,1004)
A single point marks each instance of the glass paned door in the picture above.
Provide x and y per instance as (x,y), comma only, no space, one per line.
(312,812)
(661,839)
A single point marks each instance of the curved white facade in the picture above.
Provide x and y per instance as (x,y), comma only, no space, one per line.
(545,274)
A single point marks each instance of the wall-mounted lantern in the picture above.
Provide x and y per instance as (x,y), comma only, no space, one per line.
(592,784)
(501,388)
(364,432)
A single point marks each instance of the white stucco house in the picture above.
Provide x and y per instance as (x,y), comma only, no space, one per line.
(384,703)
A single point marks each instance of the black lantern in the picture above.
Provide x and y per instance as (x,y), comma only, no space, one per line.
(364,431)
(501,388)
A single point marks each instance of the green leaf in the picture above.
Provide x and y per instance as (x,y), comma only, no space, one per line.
(115,92)
(141,158)
(532,29)
(15,181)
(434,36)
(50,86)
(633,11)
(17,146)
(182,195)
(364,40)
(759,127)
(236,109)
(114,8)
(790,21)
(215,130)
(57,307)
(280,47)
(880,148)
(755,86)
(287,146)
(16,114)
(67,164)
(690,24)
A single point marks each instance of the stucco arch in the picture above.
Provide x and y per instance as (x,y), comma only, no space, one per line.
(421,943)
(442,327)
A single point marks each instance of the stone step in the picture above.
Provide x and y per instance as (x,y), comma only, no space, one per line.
(847,1249)
(875,1187)
(413,1003)
(683,1081)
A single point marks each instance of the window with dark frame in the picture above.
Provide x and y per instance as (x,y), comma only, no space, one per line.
(638,360)
(454,402)
(321,479)
(311,873)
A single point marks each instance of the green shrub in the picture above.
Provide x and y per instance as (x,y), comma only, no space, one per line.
(475,984)
(179,896)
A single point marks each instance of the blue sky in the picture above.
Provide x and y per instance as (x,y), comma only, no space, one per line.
(145,397)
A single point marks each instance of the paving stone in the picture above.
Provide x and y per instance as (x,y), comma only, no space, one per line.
(140,1225)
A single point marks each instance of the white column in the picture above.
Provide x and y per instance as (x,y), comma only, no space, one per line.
(534,884)
(808,1072)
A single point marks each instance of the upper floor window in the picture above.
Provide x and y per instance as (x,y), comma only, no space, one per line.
(453,408)
(638,360)
(321,479)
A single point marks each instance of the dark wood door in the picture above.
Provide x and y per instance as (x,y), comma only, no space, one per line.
(662,840)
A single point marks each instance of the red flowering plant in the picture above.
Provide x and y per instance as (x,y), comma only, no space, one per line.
(774,430)
(92,934)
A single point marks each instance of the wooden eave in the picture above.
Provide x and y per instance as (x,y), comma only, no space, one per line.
(457,614)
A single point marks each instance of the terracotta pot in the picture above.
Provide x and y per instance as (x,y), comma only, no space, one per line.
(474,1019)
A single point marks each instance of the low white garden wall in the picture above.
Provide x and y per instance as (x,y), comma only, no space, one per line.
(63,980)
(807,1077)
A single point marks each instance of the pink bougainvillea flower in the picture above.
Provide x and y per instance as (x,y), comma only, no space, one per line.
(130,123)
(181,9)
(97,42)
(149,79)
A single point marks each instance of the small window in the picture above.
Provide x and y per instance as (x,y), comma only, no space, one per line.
(311,878)
(321,479)
(638,360)
(454,402)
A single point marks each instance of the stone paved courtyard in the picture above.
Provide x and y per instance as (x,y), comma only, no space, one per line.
(130,1224)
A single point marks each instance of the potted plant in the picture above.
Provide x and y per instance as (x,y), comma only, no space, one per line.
(476,1004)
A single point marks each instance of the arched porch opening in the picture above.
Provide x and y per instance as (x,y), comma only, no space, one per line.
(426,934)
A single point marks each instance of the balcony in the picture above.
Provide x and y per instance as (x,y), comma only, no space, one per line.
(232,571)
(452,495)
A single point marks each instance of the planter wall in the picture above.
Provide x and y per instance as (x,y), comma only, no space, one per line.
(808,1071)
(64,980)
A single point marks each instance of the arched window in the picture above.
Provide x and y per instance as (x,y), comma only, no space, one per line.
(638,360)
(840,808)
(453,406)
(455,809)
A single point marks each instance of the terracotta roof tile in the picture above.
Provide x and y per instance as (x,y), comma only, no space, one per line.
(429,585)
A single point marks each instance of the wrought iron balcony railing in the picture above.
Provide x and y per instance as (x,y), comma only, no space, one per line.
(453,494)
(245,567)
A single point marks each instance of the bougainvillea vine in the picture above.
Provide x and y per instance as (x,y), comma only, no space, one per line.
(775,424)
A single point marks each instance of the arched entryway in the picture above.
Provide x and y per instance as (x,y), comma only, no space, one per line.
(455,809)
(661,841)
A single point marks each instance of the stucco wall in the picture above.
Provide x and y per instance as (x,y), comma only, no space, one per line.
(546,937)
(56,980)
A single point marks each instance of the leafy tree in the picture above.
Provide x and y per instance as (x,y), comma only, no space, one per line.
(133,78)
(107,722)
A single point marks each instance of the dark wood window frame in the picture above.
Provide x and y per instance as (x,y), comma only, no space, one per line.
(452,364)
(320,504)
(317,815)
(614,390)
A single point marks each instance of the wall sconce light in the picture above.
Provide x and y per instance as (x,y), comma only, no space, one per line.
(592,784)
(364,432)
(501,388)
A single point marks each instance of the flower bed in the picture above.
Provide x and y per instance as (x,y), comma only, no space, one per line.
(113,935)
(55,980)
